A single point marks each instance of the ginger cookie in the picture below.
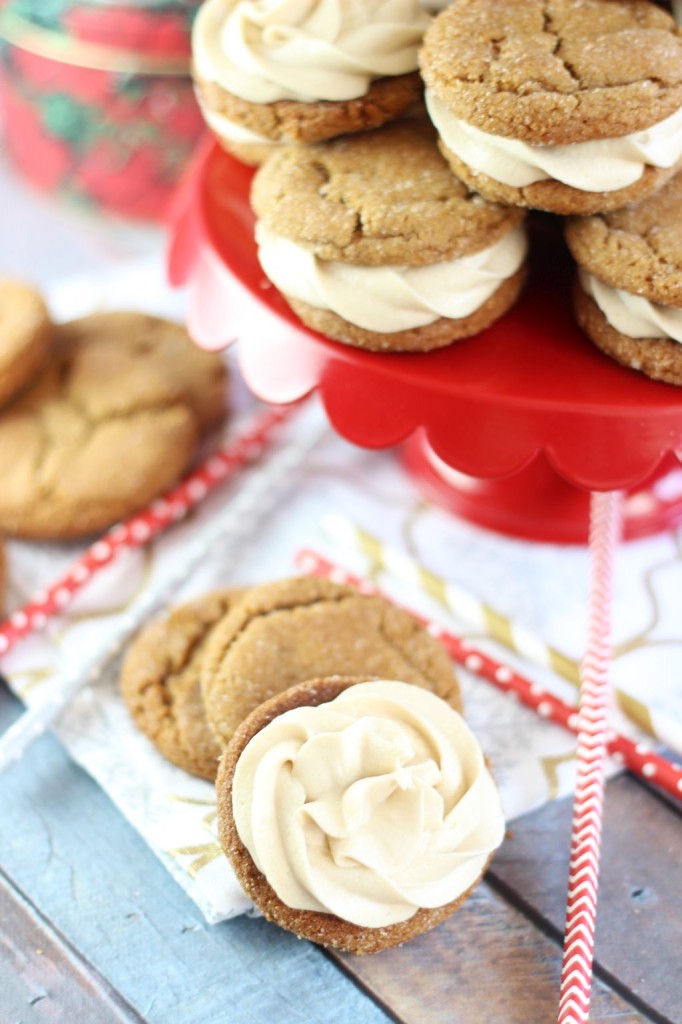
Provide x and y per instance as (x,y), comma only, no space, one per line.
(628,297)
(373,242)
(111,422)
(572,106)
(160,682)
(25,336)
(252,132)
(293,630)
(331,798)
(294,73)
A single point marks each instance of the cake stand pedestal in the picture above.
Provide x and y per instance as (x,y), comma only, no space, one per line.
(511,429)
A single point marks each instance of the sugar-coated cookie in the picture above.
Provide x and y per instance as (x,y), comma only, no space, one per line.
(269,72)
(628,296)
(25,336)
(112,421)
(160,682)
(375,243)
(292,630)
(357,814)
(572,106)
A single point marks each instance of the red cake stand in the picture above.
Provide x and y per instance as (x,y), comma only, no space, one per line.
(511,429)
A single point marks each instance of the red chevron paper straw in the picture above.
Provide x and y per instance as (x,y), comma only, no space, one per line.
(144,526)
(639,758)
(583,879)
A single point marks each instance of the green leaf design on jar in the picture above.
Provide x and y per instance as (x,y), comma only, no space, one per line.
(47,13)
(66,118)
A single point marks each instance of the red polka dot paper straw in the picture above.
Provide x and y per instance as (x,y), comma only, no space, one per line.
(144,526)
(639,758)
(595,692)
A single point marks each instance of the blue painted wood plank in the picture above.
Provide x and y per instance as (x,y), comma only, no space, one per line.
(43,980)
(78,860)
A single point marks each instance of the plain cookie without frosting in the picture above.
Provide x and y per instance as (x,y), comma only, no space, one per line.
(25,336)
(160,682)
(110,423)
(294,630)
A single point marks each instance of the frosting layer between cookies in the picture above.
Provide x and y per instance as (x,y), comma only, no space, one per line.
(368,807)
(600,165)
(633,315)
(390,298)
(233,132)
(266,51)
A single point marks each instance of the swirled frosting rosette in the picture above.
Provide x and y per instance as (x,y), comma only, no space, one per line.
(373,807)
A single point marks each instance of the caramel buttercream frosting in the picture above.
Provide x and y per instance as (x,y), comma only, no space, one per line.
(370,808)
(633,315)
(266,51)
(391,298)
(233,132)
(598,165)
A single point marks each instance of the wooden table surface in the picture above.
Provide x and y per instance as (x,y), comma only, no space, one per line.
(94,930)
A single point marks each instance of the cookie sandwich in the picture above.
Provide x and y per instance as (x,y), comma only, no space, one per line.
(374,243)
(357,814)
(292,71)
(110,423)
(292,630)
(628,296)
(160,682)
(571,106)
(25,336)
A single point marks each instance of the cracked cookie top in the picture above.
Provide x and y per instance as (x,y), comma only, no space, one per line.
(111,422)
(298,629)
(638,248)
(385,197)
(555,71)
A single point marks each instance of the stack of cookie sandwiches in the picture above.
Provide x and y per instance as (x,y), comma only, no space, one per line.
(368,236)
(98,416)
(575,107)
(354,803)
(567,106)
